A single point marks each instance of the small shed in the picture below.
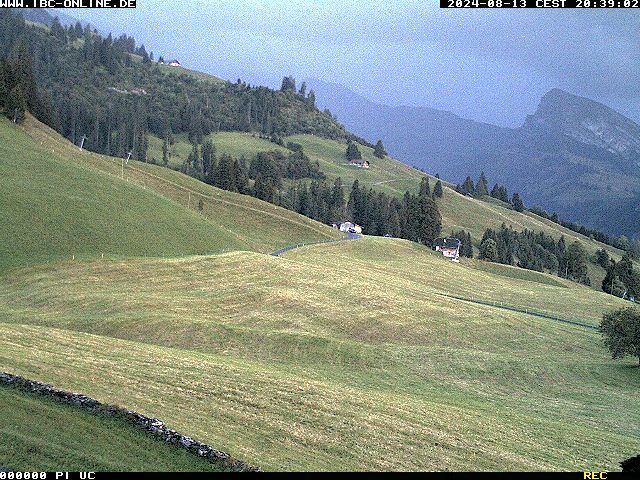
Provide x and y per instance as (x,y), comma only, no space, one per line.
(175,63)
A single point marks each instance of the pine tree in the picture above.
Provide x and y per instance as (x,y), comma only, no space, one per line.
(224,173)
(165,152)
(4,85)
(429,221)
(425,188)
(353,152)
(489,250)
(303,89)
(467,187)
(379,150)
(259,188)
(517,203)
(58,31)
(208,156)
(466,247)
(602,258)
(311,98)
(337,201)
(288,84)
(437,189)
(612,283)
(240,178)
(16,105)
(628,276)
(481,186)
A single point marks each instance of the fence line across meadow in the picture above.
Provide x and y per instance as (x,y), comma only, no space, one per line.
(513,308)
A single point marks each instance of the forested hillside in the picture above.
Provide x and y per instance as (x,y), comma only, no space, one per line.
(112,93)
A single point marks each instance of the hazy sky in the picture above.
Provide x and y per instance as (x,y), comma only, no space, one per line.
(488,65)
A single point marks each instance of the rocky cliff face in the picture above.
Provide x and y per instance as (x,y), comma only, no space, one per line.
(588,122)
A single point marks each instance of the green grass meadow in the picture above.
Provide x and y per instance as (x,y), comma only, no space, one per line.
(337,356)
(41,434)
(57,203)
(297,363)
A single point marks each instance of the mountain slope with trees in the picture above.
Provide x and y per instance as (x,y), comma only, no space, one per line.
(112,93)
(573,156)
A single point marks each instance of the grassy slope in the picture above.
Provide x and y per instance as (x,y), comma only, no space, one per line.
(40,434)
(394,178)
(57,202)
(52,208)
(334,357)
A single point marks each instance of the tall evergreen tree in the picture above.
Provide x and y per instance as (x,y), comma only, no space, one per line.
(288,84)
(224,178)
(16,104)
(468,187)
(379,150)
(518,204)
(425,188)
(353,152)
(311,98)
(165,152)
(466,247)
(337,201)
(481,187)
(576,263)
(437,189)
(425,219)
(489,250)
(208,156)
(241,182)
(4,85)
(611,283)
(602,258)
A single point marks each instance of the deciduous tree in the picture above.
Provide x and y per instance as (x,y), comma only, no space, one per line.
(621,332)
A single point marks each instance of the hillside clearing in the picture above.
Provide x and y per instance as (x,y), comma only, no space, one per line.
(294,363)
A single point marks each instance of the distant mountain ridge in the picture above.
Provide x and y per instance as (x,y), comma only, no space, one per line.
(573,155)
(586,121)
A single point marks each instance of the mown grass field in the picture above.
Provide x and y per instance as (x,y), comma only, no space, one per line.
(40,434)
(57,202)
(334,357)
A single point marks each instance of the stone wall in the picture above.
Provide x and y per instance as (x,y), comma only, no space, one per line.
(152,425)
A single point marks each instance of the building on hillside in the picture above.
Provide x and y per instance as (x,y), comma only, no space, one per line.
(174,63)
(361,163)
(348,227)
(449,247)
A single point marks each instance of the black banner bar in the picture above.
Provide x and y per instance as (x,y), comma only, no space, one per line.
(593,475)
(67,3)
(539,3)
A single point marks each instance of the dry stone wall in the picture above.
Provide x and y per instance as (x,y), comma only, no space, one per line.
(152,425)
